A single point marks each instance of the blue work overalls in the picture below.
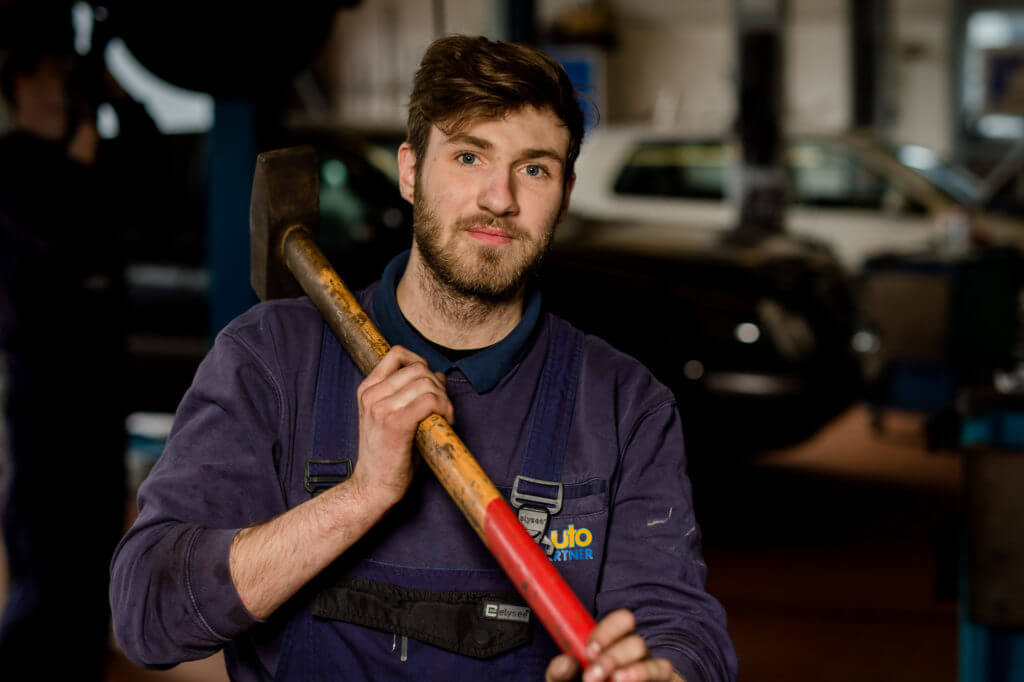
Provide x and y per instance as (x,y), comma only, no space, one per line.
(379,613)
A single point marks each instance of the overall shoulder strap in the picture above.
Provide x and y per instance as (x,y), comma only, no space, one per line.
(335,417)
(539,482)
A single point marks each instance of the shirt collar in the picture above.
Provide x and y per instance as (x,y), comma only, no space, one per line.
(485,368)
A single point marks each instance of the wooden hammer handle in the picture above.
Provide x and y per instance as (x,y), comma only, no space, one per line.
(533,574)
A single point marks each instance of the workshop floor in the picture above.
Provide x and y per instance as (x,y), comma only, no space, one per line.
(832,559)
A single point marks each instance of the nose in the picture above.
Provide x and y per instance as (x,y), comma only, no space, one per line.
(498,195)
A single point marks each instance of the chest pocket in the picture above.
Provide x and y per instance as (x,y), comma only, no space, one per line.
(472,613)
(575,537)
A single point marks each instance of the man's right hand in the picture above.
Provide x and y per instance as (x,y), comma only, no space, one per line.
(264,561)
(394,398)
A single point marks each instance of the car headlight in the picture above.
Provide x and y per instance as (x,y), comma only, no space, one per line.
(789,331)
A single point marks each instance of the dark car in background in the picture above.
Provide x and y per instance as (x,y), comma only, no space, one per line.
(364,222)
(755,342)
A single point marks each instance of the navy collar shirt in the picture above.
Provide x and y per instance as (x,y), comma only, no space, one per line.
(485,368)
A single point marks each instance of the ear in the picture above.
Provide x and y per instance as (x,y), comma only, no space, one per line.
(565,197)
(406,171)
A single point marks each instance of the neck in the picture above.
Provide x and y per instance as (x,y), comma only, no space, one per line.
(450,318)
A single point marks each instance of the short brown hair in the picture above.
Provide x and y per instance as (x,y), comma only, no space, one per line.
(462,78)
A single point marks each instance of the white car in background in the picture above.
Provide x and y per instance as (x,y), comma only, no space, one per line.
(642,189)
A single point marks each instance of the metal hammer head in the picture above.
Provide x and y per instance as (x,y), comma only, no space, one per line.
(285,192)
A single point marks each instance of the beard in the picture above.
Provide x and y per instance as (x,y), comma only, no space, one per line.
(477,271)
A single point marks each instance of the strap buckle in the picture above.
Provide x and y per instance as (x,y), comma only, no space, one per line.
(322,474)
(552,504)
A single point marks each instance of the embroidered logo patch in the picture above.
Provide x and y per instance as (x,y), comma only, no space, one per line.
(572,544)
(496,611)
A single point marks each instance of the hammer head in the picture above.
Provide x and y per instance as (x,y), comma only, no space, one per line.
(285,192)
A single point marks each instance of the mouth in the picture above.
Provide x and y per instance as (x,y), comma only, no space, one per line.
(489,234)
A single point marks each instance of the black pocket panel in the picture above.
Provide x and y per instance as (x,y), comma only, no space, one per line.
(475,624)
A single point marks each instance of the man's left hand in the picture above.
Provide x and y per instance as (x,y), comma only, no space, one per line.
(616,653)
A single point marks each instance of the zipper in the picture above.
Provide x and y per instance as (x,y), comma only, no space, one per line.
(404,656)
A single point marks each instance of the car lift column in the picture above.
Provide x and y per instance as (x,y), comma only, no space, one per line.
(869,26)
(759,183)
(232,149)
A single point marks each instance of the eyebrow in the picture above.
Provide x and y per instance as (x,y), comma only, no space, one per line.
(480,143)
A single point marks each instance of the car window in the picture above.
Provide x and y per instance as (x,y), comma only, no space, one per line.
(675,169)
(827,175)
(821,174)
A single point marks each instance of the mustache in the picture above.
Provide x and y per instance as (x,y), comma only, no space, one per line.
(511,228)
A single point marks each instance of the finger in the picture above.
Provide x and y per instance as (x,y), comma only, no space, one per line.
(612,628)
(375,389)
(385,368)
(442,380)
(396,358)
(620,654)
(647,670)
(412,404)
(562,669)
(400,380)
(424,407)
(415,392)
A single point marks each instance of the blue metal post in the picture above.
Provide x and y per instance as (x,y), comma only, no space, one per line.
(232,155)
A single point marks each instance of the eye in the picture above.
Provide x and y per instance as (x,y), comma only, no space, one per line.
(467,158)
(535,171)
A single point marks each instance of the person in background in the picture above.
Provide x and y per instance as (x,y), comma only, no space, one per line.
(63,350)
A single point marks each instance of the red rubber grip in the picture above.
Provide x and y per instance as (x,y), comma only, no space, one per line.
(535,577)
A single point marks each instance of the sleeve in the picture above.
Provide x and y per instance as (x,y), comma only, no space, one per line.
(654,565)
(171,592)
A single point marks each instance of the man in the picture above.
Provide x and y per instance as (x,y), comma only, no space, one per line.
(287,520)
(61,337)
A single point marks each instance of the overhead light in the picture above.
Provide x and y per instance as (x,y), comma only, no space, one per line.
(1001,125)
(173,109)
(107,122)
(989,30)
(864,341)
(747,332)
(334,172)
(82,22)
(914,156)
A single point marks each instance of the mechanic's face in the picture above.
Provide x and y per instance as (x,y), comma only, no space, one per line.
(487,198)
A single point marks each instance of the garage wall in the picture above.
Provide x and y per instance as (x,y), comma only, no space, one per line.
(921,63)
(674,57)
(368,65)
(818,66)
(675,62)
(680,63)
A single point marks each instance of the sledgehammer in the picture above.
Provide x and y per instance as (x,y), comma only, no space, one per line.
(286,261)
